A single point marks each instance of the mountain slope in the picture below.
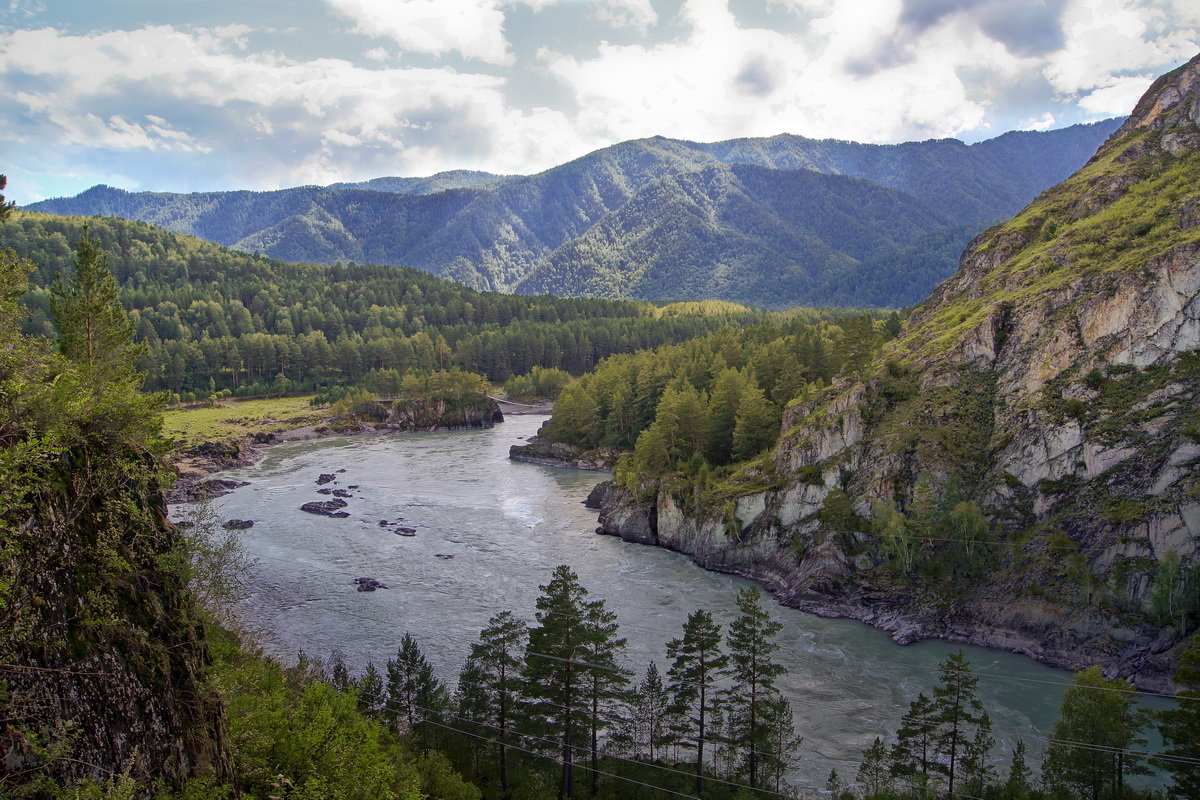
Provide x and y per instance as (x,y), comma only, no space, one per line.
(1021,468)
(496,235)
(738,232)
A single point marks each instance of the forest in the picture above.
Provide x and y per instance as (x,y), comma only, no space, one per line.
(215,320)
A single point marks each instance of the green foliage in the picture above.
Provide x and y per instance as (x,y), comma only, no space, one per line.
(758,721)
(1178,727)
(214,319)
(1092,747)
(539,384)
(697,661)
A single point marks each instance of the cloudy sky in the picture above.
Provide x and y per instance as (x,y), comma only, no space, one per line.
(186,95)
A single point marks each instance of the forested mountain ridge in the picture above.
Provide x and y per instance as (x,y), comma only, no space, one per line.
(213,319)
(1019,467)
(497,235)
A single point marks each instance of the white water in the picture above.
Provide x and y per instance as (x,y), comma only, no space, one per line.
(507,526)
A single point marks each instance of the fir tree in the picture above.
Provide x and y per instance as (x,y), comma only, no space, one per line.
(645,728)
(95,333)
(874,772)
(1018,784)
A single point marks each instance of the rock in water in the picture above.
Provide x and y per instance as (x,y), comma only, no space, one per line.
(325,478)
(327,508)
(238,524)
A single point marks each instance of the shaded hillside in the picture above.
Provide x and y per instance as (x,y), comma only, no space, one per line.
(1021,466)
(496,236)
(741,232)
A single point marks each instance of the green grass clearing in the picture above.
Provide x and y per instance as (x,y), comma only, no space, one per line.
(237,418)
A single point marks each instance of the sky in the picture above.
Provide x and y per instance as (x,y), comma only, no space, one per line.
(196,95)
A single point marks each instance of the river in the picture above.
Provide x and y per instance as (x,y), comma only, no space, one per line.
(506,526)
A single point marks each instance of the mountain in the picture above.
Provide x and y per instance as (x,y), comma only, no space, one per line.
(618,216)
(438,182)
(1020,468)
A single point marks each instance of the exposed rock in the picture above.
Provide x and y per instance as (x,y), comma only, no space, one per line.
(538,450)
(327,508)
(600,494)
(238,524)
(370,584)
(324,478)
(325,490)
(342,493)
(190,491)
(1053,386)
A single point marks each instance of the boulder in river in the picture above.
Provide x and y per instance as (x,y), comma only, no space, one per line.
(341,493)
(325,478)
(238,524)
(327,508)
(370,584)
(326,490)
(402,531)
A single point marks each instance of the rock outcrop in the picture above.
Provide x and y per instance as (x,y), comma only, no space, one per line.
(1053,382)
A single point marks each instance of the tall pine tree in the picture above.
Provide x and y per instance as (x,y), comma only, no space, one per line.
(697,661)
(751,700)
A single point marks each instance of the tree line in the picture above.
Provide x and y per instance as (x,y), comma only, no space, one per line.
(213,319)
(554,704)
(944,744)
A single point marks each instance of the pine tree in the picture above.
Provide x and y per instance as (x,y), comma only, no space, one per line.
(1089,752)
(370,691)
(1180,728)
(498,662)
(957,712)
(913,751)
(697,662)
(751,718)
(414,694)
(605,677)
(555,674)
(874,773)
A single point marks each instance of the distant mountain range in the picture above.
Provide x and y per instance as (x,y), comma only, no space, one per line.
(773,222)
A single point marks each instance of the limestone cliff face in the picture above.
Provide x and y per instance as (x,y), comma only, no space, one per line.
(1054,381)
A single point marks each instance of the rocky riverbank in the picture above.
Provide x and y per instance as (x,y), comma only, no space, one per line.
(826,583)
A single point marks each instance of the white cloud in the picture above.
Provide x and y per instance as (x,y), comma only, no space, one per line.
(1043,123)
(1115,48)
(472,28)
(378,54)
(636,14)
(723,81)
(274,121)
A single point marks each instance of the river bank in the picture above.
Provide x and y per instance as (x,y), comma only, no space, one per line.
(1055,634)
(506,526)
(241,443)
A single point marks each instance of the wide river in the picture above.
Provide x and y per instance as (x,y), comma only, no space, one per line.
(506,526)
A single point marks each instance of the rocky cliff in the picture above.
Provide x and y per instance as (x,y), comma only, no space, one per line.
(1054,384)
